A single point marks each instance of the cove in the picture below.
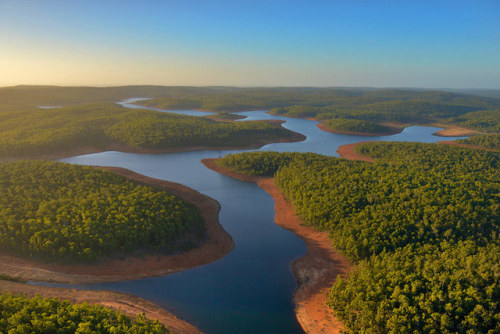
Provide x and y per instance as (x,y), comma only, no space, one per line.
(250,290)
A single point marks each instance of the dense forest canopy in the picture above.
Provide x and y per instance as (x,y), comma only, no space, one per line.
(491,141)
(21,314)
(484,120)
(422,223)
(356,105)
(379,105)
(368,104)
(58,211)
(356,125)
(51,130)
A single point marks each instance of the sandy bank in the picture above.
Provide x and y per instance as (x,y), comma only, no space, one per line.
(128,304)
(348,152)
(394,130)
(452,131)
(316,271)
(217,244)
(255,144)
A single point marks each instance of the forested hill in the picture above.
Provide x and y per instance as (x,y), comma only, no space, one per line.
(41,131)
(231,98)
(60,212)
(21,314)
(366,104)
(422,223)
(356,125)
(379,105)
(24,96)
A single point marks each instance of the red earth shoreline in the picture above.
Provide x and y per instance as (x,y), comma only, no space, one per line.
(218,243)
(316,271)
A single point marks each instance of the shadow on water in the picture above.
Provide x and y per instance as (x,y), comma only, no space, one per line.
(250,290)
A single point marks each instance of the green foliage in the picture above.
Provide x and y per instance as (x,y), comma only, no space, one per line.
(430,289)
(225,116)
(422,222)
(259,163)
(487,141)
(52,130)
(59,211)
(402,111)
(20,314)
(355,125)
(326,103)
(484,120)
(174,103)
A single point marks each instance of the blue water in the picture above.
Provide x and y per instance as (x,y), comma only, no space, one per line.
(250,290)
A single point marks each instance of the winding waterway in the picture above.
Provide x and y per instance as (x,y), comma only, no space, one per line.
(250,290)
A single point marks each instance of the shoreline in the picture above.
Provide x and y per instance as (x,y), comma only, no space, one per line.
(316,271)
(195,109)
(128,304)
(452,131)
(217,244)
(396,130)
(255,144)
(348,152)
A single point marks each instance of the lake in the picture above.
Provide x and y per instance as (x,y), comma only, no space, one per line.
(250,290)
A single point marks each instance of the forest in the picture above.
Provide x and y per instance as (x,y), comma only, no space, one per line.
(357,105)
(355,125)
(21,314)
(53,130)
(467,108)
(62,212)
(421,223)
(484,121)
(491,141)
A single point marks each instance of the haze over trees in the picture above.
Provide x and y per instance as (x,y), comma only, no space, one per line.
(421,223)
(366,104)
(352,105)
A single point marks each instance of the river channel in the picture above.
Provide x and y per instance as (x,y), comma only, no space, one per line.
(250,290)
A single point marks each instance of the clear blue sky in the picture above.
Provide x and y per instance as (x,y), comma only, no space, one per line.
(416,43)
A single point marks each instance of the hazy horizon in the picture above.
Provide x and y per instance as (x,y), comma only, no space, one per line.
(375,44)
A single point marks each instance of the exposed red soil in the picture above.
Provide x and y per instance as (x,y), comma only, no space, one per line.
(218,243)
(316,271)
(128,304)
(348,152)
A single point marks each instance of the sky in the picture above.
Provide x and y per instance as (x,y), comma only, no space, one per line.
(376,43)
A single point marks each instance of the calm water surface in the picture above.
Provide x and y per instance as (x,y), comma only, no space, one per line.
(250,290)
